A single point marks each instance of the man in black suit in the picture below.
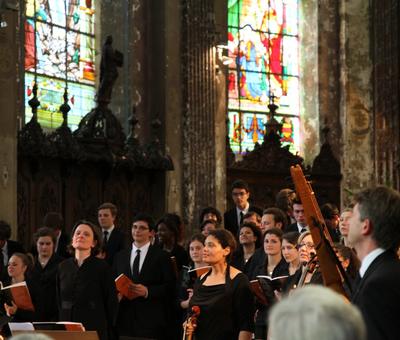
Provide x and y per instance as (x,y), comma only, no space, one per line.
(150,269)
(7,248)
(114,239)
(374,232)
(233,218)
(298,213)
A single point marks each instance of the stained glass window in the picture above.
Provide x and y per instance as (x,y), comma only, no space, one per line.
(263,48)
(60,53)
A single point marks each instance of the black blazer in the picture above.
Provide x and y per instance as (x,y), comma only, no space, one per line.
(116,242)
(63,245)
(231,220)
(291,227)
(378,297)
(147,317)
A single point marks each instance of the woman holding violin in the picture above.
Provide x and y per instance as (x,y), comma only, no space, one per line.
(308,272)
(223,294)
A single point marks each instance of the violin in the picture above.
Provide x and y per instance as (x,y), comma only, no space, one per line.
(310,267)
(190,324)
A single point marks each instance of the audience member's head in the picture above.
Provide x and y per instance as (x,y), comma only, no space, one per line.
(273,218)
(54,220)
(315,313)
(240,193)
(252,217)
(375,219)
(83,226)
(207,226)
(284,200)
(210,213)
(225,239)
(330,212)
(250,233)
(298,213)
(5,232)
(106,215)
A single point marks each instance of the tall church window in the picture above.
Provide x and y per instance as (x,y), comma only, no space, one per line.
(263,45)
(59,54)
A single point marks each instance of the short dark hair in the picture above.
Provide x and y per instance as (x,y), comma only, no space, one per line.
(43,232)
(204,223)
(256,231)
(240,184)
(211,210)
(381,205)
(107,205)
(226,239)
(283,199)
(297,201)
(274,231)
(5,231)
(197,237)
(171,225)
(292,237)
(146,218)
(97,236)
(252,213)
(53,220)
(279,215)
(329,211)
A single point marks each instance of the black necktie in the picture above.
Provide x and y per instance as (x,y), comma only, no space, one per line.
(303,230)
(105,235)
(241,218)
(135,266)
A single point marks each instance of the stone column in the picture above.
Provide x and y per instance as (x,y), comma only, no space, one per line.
(199,74)
(309,82)
(11,108)
(356,97)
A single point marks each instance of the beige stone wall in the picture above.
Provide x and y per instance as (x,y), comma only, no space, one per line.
(356,97)
(9,104)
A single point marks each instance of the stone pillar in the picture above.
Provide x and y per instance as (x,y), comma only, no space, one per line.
(356,97)
(198,107)
(10,103)
(173,107)
(309,82)
(329,72)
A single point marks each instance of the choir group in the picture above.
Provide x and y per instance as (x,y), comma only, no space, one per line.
(247,275)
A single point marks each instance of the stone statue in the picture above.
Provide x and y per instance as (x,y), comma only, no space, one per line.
(110,60)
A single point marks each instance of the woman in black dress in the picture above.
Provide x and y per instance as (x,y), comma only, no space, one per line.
(44,272)
(274,266)
(223,294)
(85,287)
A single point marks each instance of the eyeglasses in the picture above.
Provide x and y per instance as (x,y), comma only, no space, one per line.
(308,245)
(140,227)
(241,193)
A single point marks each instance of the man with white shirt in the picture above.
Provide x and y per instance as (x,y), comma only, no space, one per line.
(233,218)
(113,238)
(374,232)
(298,213)
(150,269)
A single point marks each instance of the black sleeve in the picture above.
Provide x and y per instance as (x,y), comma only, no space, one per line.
(109,294)
(243,304)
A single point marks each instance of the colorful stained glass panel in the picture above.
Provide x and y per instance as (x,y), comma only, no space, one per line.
(59,53)
(263,42)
